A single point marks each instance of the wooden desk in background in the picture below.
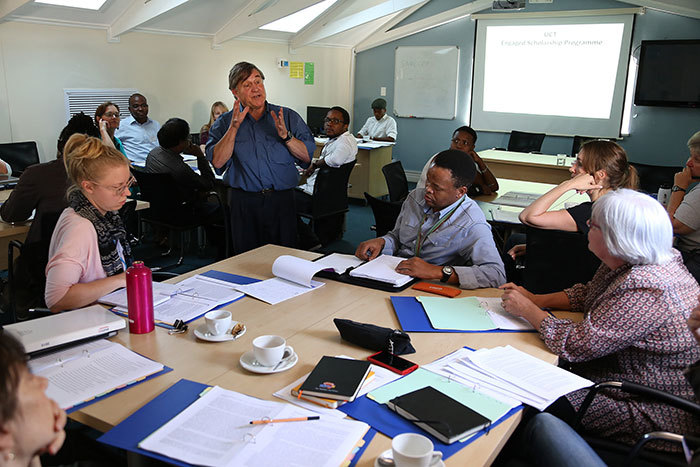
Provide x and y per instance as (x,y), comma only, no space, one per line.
(367,174)
(524,166)
(307,324)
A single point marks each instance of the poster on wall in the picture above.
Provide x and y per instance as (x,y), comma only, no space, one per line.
(309,73)
(296,70)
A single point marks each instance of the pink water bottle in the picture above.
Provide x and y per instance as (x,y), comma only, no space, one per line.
(139,296)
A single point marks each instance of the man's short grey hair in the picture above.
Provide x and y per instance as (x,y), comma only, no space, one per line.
(694,143)
(240,72)
(635,227)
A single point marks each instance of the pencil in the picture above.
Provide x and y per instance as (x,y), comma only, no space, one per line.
(279,420)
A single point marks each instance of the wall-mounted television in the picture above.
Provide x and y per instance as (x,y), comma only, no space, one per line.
(669,74)
(314,119)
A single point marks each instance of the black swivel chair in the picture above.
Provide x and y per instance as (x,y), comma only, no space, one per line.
(614,453)
(169,209)
(651,177)
(521,141)
(396,181)
(556,260)
(329,202)
(19,155)
(385,214)
(578,142)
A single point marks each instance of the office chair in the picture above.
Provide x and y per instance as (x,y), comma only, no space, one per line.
(329,203)
(615,453)
(385,214)
(556,260)
(578,142)
(396,181)
(169,209)
(521,141)
(19,155)
(194,138)
(651,177)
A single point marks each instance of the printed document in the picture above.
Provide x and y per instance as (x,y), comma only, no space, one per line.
(382,268)
(293,278)
(216,431)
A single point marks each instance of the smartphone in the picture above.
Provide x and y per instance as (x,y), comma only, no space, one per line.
(393,362)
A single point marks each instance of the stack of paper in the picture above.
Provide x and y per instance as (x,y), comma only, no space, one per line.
(382,268)
(470,314)
(506,372)
(216,431)
(86,371)
(186,300)
(339,262)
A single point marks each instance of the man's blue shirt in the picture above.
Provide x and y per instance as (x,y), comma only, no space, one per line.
(260,158)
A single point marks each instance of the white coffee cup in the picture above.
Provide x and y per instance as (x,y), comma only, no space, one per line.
(269,350)
(218,322)
(414,450)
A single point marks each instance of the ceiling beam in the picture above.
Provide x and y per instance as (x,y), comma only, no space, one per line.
(9,6)
(391,22)
(690,8)
(248,18)
(424,24)
(138,13)
(326,25)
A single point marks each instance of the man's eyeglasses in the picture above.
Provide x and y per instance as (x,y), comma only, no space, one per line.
(119,190)
(461,142)
(111,114)
(334,121)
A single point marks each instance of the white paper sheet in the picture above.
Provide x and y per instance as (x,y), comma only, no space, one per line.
(500,317)
(339,262)
(215,431)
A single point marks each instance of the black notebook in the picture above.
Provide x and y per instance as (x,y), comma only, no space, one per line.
(438,414)
(336,378)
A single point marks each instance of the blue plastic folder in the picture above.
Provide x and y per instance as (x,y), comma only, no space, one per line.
(129,433)
(413,318)
(115,391)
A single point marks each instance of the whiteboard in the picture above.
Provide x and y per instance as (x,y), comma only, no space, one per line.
(425,82)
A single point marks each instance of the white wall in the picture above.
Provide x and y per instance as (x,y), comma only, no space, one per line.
(180,76)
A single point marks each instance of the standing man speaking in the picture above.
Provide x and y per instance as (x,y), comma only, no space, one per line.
(257,144)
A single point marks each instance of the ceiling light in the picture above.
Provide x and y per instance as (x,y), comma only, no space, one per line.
(86,4)
(301,18)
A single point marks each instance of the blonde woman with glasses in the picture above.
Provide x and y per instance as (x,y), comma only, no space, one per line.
(89,250)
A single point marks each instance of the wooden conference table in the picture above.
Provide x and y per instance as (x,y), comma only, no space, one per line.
(525,166)
(307,324)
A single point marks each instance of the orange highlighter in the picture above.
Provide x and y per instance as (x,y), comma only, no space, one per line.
(437,289)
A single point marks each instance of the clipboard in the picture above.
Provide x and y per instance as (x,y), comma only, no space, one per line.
(346,278)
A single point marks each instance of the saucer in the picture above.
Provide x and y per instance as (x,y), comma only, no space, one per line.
(249,363)
(389,455)
(202,333)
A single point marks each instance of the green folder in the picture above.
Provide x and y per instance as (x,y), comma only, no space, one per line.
(462,314)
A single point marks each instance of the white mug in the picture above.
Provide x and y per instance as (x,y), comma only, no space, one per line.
(218,322)
(269,350)
(663,194)
(414,450)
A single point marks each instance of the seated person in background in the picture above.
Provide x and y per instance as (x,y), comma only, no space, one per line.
(684,209)
(442,231)
(31,424)
(340,149)
(107,120)
(464,139)
(381,127)
(174,139)
(634,320)
(137,132)
(42,187)
(217,108)
(601,166)
(89,251)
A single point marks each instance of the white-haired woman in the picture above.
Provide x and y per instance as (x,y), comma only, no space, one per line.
(634,319)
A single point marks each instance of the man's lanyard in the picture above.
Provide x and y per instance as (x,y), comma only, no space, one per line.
(420,238)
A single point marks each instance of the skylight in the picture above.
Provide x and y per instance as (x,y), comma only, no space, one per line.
(296,21)
(86,4)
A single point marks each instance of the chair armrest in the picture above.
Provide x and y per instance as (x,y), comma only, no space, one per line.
(640,390)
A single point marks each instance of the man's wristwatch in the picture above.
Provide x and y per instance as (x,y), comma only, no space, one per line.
(447,272)
(288,138)
(676,188)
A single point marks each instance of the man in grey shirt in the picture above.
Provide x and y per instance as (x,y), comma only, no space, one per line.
(441,231)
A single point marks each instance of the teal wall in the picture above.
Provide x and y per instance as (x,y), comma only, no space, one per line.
(658,134)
